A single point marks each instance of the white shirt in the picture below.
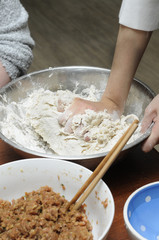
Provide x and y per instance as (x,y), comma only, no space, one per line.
(140,14)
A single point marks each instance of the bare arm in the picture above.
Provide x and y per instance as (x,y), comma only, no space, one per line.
(4,77)
(130,47)
(15,41)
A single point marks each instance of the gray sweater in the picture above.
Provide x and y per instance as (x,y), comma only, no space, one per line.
(15,41)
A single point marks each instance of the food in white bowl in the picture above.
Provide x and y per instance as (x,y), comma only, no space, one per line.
(64,178)
(43,214)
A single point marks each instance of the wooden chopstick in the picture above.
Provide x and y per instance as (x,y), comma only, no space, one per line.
(102,167)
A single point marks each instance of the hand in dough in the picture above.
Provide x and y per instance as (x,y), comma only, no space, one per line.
(79,106)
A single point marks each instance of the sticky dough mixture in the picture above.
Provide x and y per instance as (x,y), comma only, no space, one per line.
(33,123)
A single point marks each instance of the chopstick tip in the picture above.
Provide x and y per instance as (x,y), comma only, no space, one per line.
(136,121)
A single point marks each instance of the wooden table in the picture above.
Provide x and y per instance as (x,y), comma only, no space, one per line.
(134,171)
(124,177)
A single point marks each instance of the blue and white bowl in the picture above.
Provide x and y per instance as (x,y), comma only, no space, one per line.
(141,213)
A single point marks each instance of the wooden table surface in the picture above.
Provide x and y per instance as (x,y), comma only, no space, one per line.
(124,177)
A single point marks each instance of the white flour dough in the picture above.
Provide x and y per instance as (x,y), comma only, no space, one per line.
(33,123)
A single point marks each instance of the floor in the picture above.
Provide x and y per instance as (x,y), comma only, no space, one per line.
(80,32)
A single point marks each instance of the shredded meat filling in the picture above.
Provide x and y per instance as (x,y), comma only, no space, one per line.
(42,215)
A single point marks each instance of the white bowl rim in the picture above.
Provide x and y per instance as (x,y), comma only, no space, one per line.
(126,220)
(106,231)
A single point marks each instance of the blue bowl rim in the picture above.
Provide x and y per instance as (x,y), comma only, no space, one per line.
(125,210)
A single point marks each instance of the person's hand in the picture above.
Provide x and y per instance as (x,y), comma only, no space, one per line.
(4,77)
(151,115)
(79,106)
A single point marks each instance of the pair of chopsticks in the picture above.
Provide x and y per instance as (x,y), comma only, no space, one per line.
(101,169)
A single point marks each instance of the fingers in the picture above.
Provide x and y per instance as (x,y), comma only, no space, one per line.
(68,126)
(151,113)
(63,118)
(149,117)
(60,105)
(80,106)
(77,107)
(153,139)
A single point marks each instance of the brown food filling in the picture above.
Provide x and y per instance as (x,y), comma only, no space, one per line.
(41,215)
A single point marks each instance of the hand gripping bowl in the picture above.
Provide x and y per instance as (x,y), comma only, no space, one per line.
(27,175)
(71,78)
(141,213)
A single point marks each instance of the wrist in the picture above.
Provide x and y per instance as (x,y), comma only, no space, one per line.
(114,104)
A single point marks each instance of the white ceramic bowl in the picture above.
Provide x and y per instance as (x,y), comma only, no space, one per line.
(27,175)
(141,213)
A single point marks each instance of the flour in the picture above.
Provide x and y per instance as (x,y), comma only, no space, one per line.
(33,123)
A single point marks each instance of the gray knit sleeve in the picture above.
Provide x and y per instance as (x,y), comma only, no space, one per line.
(15,41)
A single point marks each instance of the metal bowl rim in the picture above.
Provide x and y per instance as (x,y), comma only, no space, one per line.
(72,157)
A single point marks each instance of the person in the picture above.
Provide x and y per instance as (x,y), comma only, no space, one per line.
(16,44)
(137,20)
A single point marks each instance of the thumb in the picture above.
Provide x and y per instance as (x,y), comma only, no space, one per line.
(153,139)
(147,120)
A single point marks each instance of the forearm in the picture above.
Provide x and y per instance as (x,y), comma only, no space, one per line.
(4,77)
(15,41)
(130,47)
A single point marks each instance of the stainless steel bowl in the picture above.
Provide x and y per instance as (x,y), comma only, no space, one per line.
(79,77)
